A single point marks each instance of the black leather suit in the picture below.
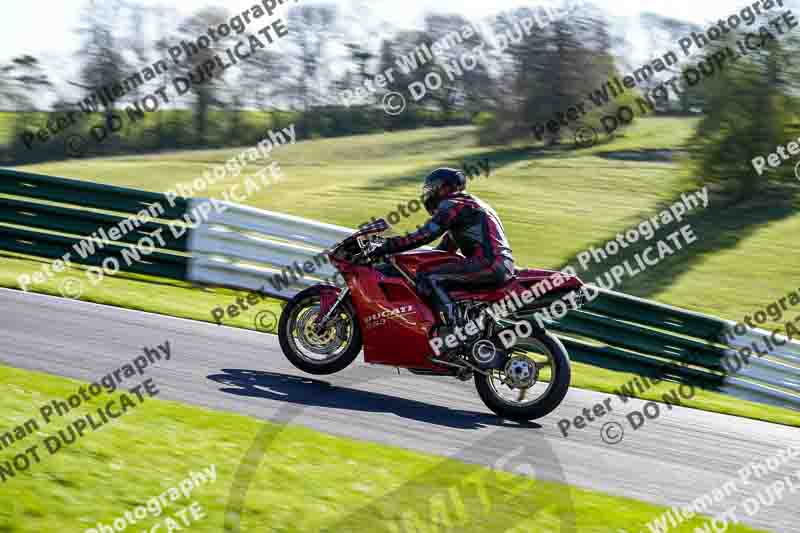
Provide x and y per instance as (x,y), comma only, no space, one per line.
(471,227)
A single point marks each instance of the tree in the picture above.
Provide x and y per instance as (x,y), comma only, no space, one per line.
(20,81)
(100,50)
(165,18)
(204,88)
(550,70)
(310,34)
(404,44)
(662,34)
(474,88)
(748,111)
(258,85)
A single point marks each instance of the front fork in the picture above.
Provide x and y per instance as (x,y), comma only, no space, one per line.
(321,322)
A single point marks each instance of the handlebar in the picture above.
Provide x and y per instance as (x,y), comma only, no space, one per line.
(367,246)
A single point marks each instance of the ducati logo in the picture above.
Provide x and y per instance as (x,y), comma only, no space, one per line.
(390,313)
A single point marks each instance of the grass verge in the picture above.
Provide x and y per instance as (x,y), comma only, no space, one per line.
(307,481)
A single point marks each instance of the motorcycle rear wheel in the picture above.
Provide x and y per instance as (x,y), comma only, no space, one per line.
(496,390)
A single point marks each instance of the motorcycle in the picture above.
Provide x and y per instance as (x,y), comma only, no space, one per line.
(323,328)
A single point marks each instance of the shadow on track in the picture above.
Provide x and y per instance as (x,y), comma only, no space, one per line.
(306,391)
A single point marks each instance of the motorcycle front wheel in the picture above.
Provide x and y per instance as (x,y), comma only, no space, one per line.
(328,352)
(532,383)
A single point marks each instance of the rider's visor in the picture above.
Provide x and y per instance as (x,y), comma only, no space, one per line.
(429,198)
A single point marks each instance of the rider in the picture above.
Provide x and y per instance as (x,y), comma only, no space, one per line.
(469,226)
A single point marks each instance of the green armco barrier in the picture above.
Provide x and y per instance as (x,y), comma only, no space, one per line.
(55,246)
(625,361)
(83,223)
(666,317)
(633,337)
(86,194)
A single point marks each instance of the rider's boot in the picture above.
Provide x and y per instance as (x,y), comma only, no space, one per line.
(449,322)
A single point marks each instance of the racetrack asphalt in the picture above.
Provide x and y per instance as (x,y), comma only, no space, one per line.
(673,460)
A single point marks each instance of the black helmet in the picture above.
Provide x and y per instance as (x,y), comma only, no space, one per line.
(439,184)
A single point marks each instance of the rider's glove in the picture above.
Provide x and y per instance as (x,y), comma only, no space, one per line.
(378,251)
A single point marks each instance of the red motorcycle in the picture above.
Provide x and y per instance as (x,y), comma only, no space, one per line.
(323,328)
